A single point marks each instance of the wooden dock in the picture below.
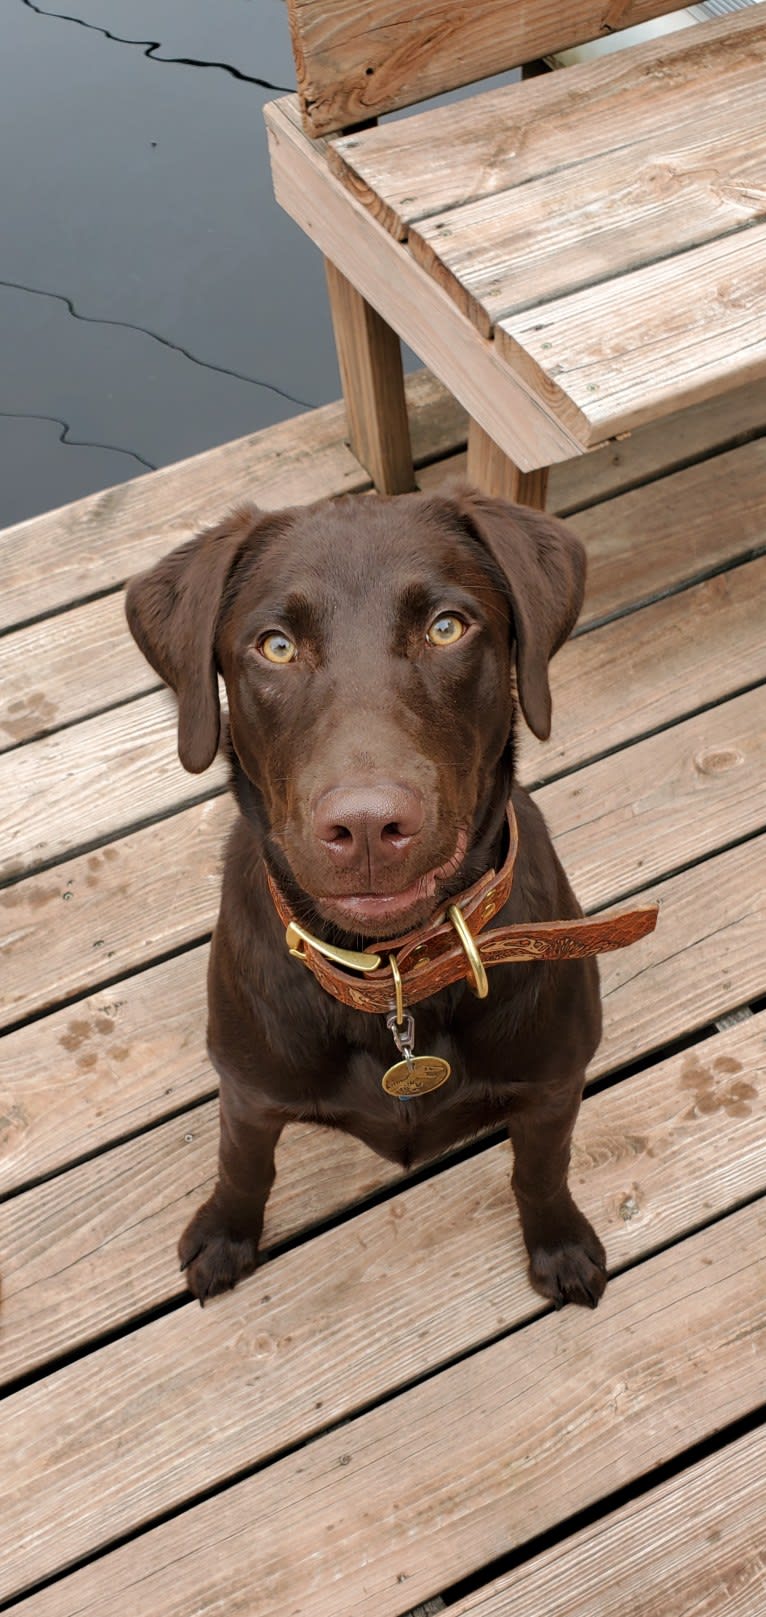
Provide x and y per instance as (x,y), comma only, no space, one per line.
(386,1414)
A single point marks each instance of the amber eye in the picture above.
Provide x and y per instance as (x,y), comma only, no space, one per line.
(278,648)
(446,630)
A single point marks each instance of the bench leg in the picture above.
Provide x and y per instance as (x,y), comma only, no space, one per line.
(370,361)
(494,473)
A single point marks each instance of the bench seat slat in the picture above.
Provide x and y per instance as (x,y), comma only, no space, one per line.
(433,161)
(593,220)
(615,355)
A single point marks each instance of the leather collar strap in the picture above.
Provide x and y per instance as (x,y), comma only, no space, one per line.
(435,955)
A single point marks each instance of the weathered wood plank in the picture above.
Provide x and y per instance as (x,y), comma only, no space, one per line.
(83,784)
(96,543)
(139,897)
(693,1544)
(415,167)
(104,1067)
(386,274)
(652,451)
(86,1253)
(611,357)
(348,73)
(715,917)
(617,824)
(129,1056)
(638,544)
(674,798)
(647,540)
(438,1481)
(648,669)
(604,216)
(67,667)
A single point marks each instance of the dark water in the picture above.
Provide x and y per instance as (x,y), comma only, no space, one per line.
(135,194)
(154,300)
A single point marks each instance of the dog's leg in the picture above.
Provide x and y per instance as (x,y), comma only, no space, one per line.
(220,1245)
(567,1262)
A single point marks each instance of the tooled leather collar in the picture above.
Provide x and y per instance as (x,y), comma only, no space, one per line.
(433,956)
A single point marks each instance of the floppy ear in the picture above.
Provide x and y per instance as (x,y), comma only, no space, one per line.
(172,612)
(543,565)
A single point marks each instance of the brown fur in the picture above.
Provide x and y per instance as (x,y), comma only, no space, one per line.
(369,720)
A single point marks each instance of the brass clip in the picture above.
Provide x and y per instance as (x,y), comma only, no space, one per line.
(350,958)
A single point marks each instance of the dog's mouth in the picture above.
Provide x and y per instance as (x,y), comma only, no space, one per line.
(384,914)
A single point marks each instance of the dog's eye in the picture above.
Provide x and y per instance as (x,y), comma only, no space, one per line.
(277,648)
(446,630)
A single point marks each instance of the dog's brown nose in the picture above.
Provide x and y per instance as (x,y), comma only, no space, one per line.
(368,825)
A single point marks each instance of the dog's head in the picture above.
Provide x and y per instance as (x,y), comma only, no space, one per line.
(368,646)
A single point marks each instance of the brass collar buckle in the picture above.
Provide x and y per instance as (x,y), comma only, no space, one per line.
(352,959)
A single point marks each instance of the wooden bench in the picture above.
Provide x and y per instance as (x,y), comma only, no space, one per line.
(573,255)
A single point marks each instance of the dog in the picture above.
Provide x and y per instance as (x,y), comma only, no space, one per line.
(376,652)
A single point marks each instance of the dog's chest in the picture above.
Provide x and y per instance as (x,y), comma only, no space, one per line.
(407,1129)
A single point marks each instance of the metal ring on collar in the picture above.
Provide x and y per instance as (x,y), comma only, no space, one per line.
(480,985)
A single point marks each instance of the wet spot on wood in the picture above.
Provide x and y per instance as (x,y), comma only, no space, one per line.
(76,1034)
(12,1124)
(120,1052)
(28,715)
(87,1059)
(104,1024)
(714,1091)
(94,862)
(726,1064)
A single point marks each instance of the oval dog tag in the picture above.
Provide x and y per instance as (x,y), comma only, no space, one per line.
(416,1076)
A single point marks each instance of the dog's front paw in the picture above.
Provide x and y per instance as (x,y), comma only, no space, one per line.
(567,1263)
(570,1273)
(213,1257)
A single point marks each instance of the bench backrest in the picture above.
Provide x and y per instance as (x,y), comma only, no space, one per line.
(357,59)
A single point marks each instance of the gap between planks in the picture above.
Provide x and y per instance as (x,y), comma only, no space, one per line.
(549,1420)
(82,1256)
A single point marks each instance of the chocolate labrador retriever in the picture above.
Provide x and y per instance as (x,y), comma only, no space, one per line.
(374,651)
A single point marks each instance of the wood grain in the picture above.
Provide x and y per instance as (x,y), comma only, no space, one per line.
(386,274)
(494,473)
(348,73)
(609,358)
(552,1417)
(81,785)
(691,1544)
(654,450)
(643,542)
(86,1253)
(370,363)
(141,896)
(650,668)
(715,917)
(634,204)
(674,798)
(412,168)
(96,543)
(102,1068)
